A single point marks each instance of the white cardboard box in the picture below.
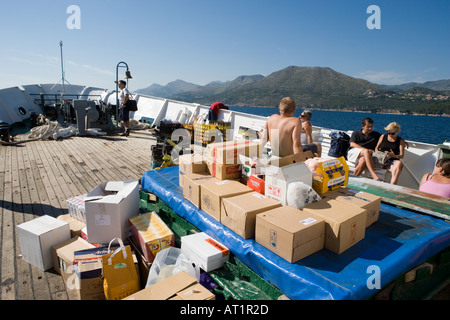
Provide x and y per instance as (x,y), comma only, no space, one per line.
(108,208)
(38,236)
(278,179)
(204,251)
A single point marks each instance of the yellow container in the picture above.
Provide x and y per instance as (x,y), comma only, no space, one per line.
(330,175)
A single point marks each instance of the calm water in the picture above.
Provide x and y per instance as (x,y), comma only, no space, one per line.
(434,130)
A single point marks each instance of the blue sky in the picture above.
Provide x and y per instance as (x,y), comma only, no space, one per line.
(207,40)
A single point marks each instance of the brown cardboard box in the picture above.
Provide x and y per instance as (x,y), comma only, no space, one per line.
(190,163)
(290,233)
(74,224)
(63,255)
(191,186)
(224,171)
(180,286)
(361,199)
(239,212)
(228,152)
(345,224)
(212,193)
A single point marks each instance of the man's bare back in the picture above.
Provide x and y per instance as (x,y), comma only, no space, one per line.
(284,134)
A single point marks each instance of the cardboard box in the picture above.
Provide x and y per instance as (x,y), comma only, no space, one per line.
(290,233)
(228,152)
(74,224)
(207,253)
(239,212)
(257,184)
(360,199)
(76,207)
(291,159)
(224,171)
(191,186)
(278,179)
(190,163)
(109,207)
(330,175)
(151,234)
(180,286)
(212,193)
(63,255)
(38,236)
(345,223)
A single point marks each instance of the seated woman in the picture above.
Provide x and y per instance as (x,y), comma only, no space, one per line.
(306,135)
(438,182)
(394,146)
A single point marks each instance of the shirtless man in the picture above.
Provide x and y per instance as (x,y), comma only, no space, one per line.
(283,130)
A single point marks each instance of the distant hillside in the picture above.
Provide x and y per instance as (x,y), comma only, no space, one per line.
(168,90)
(313,87)
(440,85)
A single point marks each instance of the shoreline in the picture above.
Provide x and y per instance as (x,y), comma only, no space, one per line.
(397,112)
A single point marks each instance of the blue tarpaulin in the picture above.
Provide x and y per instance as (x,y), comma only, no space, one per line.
(398,241)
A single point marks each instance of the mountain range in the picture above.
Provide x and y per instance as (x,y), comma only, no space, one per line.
(313,87)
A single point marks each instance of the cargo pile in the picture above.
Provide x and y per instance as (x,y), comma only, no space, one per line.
(105,248)
(293,206)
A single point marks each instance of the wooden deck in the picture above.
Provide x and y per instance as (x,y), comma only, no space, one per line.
(36,178)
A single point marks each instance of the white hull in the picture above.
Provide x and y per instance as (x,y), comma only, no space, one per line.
(420,157)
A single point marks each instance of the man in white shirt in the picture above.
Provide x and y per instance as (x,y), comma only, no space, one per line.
(124,112)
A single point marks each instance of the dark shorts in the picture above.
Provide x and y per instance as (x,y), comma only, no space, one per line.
(310,147)
(124,114)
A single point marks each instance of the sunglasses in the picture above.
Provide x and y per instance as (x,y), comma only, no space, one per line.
(392,133)
(302,116)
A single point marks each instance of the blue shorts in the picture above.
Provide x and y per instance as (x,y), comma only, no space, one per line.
(310,147)
(124,114)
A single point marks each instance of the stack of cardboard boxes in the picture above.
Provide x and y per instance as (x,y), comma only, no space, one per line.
(74,244)
(259,210)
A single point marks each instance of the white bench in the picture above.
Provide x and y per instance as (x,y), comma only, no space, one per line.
(322,136)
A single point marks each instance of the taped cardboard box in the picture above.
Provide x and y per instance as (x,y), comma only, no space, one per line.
(239,212)
(109,207)
(278,179)
(180,286)
(151,234)
(228,152)
(290,233)
(190,163)
(224,171)
(206,252)
(345,223)
(360,199)
(191,186)
(63,255)
(74,224)
(212,193)
(38,236)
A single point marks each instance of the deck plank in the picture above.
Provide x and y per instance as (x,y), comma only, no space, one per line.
(36,178)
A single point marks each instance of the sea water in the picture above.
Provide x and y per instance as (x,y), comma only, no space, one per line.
(428,129)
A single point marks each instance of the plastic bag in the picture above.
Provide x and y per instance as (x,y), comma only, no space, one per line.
(169,262)
(300,195)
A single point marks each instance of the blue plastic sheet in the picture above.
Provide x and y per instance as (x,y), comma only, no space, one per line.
(399,241)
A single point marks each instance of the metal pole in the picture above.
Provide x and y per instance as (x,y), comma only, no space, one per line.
(62,68)
(117,87)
